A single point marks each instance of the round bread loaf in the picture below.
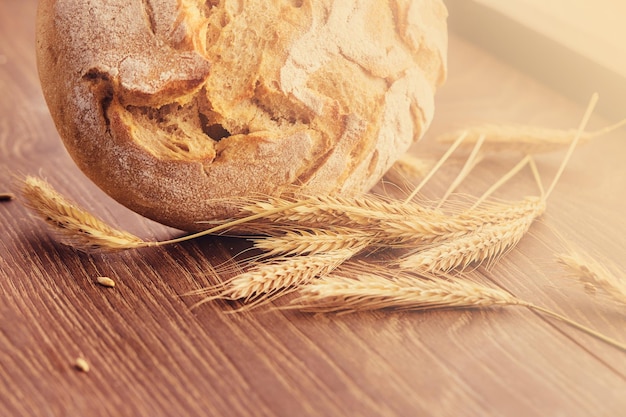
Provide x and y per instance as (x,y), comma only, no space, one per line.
(174,106)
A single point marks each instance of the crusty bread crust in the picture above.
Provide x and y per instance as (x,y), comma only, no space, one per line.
(172,106)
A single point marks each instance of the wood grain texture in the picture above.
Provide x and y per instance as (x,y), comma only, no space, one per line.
(151,354)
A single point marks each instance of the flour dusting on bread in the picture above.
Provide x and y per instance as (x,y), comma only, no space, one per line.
(172,105)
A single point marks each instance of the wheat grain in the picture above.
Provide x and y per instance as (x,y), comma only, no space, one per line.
(484,244)
(594,275)
(77,227)
(105,282)
(82,365)
(521,138)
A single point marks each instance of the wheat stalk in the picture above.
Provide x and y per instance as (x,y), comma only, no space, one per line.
(457,142)
(593,275)
(473,159)
(77,227)
(521,138)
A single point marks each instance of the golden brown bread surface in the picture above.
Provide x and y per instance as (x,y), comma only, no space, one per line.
(171,105)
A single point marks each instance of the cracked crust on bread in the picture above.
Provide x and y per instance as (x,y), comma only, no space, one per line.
(174,106)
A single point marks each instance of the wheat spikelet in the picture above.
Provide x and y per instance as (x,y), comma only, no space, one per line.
(521,138)
(77,227)
(485,243)
(594,275)
(374,291)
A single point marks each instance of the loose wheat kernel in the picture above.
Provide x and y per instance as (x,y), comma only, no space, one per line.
(105,282)
(81,365)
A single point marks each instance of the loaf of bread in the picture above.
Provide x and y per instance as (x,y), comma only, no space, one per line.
(173,107)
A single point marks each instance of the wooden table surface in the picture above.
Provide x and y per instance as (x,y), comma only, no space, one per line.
(150,354)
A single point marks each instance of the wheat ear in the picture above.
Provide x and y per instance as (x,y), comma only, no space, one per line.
(484,244)
(372,291)
(388,223)
(525,139)
(594,275)
(312,241)
(267,281)
(82,230)
(78,228)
